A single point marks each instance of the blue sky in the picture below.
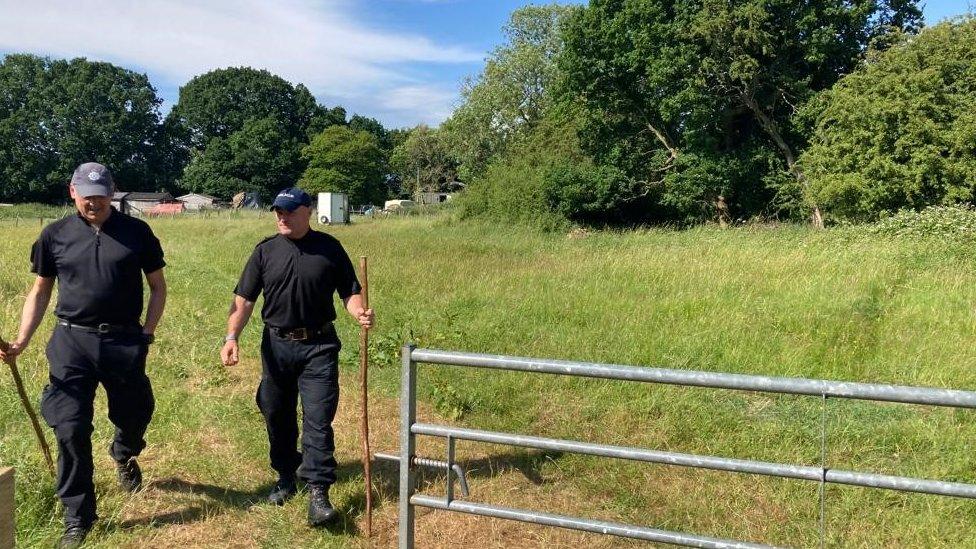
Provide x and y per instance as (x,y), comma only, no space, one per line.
(400,61)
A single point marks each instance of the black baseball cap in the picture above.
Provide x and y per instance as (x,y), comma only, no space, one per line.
(290,199)
(93,179)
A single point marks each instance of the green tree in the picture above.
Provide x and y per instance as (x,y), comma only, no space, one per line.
(257,158)
(512,92)
(221,102)
(57,114)
(423,162)
(398,136)
(336,116)
(543,180)
(255,123)
(373,126)
(901,131)
(696,99)
(344,160)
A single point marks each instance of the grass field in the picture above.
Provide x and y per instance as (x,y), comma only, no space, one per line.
(836,304)
(28,214)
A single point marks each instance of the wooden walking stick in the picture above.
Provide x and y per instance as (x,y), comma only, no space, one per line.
(12,362)
(364,409)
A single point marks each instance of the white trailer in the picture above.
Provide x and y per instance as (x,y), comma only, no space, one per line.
(333,208)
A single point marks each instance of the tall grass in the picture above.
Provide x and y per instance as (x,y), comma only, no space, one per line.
(32,212)
(842,304)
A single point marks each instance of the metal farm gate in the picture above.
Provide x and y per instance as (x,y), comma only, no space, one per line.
(797,386)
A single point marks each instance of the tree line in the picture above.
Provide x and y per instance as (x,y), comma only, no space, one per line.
(232,130)
(618,112)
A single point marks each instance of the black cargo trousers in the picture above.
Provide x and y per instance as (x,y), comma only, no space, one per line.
(309,369)
(81,359)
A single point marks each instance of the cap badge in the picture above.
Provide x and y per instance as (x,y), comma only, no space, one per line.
(94,176)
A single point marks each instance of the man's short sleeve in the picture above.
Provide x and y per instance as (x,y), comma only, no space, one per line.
(42,257)
(346,283)
(152,254)
(251,283)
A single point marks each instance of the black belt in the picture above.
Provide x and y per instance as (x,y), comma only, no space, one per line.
(103,328)
(300,334)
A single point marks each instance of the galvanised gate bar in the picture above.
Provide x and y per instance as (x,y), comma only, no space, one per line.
(409,429)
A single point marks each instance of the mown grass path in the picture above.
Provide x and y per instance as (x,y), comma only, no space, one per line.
(786,301)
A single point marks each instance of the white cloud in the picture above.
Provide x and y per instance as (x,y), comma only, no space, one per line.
(312,43)
(437,102)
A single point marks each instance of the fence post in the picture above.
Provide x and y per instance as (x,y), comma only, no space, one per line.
(6,507)
(408,416)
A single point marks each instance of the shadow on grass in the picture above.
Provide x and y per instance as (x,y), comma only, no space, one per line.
(222,498)
(227,498)
(529,464)
(183,516)
(385,482)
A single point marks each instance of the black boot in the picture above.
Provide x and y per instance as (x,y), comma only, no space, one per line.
(74,535)
(320,511)
(130,475)
(283,490)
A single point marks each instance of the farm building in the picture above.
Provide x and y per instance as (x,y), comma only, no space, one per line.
(136,203)
(118,201)
(196,201)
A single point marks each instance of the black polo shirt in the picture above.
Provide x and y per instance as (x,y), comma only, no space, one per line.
(99,273)
(298,278)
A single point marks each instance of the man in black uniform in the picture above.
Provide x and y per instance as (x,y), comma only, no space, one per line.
(98,257)
(298,270)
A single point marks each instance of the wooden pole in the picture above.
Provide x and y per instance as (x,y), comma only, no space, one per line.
(364,399)
(12,362)
(7,507)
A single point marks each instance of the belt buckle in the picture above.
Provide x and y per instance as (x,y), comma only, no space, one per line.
(299,334)
(104,328)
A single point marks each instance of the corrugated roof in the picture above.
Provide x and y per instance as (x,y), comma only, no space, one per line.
(149,196)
